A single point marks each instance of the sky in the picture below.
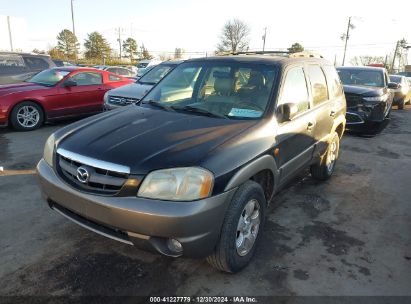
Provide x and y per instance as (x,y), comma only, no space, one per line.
(195,26)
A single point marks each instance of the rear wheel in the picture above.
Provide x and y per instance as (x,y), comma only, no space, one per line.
(241,229)
(27,116)
(325,168)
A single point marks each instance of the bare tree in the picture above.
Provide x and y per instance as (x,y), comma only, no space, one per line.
(367,60)
(234,37)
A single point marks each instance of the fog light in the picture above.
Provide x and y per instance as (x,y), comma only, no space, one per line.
(174,245)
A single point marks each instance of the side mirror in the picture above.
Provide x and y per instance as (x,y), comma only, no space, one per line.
(393,85)
(69,83)
(286,112)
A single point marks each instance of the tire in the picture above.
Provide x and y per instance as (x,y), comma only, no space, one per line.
(33,120)
(227,255)
(325,168)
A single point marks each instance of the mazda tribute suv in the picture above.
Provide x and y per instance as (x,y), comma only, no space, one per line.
(190,169)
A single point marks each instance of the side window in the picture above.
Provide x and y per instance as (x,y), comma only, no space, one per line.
(295,89)
(35,63)
(112,77)
(333,80)
(88,78)
(318,84)
(122,72)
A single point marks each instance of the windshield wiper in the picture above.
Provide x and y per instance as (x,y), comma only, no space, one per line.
(200,111)
(158,105)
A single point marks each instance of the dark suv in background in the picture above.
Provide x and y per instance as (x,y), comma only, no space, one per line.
(17,67)
(369,94)
(191,168)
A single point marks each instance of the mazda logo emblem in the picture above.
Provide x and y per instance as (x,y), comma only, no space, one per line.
(82,175)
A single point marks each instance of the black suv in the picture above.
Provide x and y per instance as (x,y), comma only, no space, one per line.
(17,67)
(190,169)
(369,95)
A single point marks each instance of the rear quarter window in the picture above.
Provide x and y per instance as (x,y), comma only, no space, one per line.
(318,84)
(333,81)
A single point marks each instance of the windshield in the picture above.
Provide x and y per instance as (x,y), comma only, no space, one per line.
(48,77)
(396,79)
(231,90)
(155,75)
(371,78)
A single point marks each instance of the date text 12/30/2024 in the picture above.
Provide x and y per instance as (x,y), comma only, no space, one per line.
(198,299)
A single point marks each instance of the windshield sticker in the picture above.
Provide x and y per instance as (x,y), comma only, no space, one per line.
(244,113)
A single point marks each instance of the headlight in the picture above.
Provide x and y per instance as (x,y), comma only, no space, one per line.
(377,98)
(404,90)
(179,184)
(49,150)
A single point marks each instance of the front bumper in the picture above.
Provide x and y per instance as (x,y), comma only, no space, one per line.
(138,221)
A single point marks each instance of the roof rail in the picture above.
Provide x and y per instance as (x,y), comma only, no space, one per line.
(305,54)
(261,53)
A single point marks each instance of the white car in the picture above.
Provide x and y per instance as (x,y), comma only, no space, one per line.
(133,92)
(144,65)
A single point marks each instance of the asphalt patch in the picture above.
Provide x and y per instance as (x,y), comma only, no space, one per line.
(361,269)
(301,274)
(314,204)
(383,152)
(336,241)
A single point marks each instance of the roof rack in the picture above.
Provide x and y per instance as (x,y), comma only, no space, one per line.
(305,54)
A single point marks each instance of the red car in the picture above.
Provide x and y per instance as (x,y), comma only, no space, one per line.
(56,93)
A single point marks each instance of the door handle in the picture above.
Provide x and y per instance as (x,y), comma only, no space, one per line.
(332,113)
(310,126)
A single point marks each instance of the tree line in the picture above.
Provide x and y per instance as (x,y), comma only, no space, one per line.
(96,47)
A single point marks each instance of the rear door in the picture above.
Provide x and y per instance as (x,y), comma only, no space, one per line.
(295,138)
(322,110)
(86,96)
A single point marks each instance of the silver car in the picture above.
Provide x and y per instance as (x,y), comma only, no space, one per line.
(132,93)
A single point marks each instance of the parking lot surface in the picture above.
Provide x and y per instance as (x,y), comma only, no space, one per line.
(348,236)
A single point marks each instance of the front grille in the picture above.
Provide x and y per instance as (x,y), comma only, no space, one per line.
(353,99)
(99,181)
(122,101)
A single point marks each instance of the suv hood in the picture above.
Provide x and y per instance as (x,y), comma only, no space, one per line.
(363,90)
(133,90)
(146,139)
(20,87)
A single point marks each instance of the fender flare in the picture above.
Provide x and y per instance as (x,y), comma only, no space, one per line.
(246,172)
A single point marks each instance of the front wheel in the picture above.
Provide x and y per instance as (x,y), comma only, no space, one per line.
(325,168)
(27,116)
(241,229)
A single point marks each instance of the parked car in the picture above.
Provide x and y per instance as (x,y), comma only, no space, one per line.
(117,70)
(369,95)
(192,174)
(61,63)
(143,65)
(55,93)
(133,92)
(402,95)
(17,67)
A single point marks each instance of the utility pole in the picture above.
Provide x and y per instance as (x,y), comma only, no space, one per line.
(347,36)
(395,55)
(119,39)
(72,17)
(264,36)
(10,38)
